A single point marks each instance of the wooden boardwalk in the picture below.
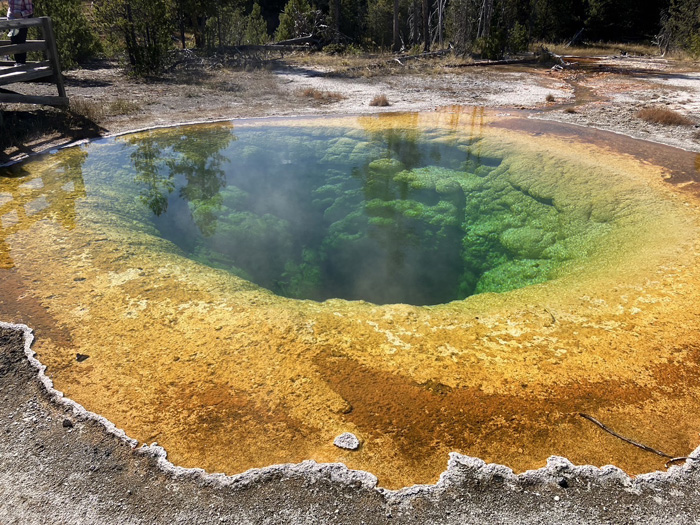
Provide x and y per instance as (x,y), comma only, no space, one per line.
(31,71)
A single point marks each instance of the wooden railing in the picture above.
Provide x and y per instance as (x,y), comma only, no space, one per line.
(48,68)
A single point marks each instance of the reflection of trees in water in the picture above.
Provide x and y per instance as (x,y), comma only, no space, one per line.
(160,157)
(413,216)
(398,138)
(386,227)
(406,213)
(51,193)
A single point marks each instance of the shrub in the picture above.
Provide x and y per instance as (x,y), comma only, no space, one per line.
(296,20)
(322,96)
(256,27)
(380,100)
(75,39)
(334,49)
(664,116)
(142,29)
(122,106)
(493,46)
(91,110)
(97,111)
(518,38)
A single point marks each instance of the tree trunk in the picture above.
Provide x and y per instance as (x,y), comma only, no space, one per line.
(182,33)
(485,19)
(218,26)
(397,43)
(441,5)
(181,24)
(416,23)
(130,36)
(426,25)
(336,20)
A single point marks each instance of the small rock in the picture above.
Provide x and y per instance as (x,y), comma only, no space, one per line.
(347,441)
(81,357)
(67,423)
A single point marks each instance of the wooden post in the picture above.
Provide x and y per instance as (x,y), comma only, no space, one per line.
(51,67)
(52,50)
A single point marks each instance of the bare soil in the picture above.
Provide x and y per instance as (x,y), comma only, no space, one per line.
(60,464)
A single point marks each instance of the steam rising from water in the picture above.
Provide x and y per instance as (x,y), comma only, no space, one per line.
(595,260)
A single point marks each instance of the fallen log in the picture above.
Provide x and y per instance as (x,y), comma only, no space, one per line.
(506,62)
(302,40)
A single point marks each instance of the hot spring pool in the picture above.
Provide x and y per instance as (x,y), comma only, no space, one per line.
(247,291)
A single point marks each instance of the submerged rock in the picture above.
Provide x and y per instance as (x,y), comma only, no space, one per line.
(347,440)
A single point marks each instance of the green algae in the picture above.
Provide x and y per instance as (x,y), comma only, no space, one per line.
(388,216)
(221,372)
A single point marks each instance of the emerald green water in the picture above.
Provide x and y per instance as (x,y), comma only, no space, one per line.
(387,216)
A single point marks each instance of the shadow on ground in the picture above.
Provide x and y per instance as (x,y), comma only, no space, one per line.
(28,131)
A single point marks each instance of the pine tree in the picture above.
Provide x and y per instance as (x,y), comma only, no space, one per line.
(255,28)
(75,39)
(295,21)
(681,27)
(142,28)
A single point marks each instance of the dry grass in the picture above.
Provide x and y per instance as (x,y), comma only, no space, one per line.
(257,82)
(225,86)
(91,110)
(334,62)
(380,100)
(598,49)
(96,111)
(664,116)
(325,97)
(371,65)
(122,107)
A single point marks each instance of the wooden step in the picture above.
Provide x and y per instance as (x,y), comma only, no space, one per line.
(15,74)
(22,48)
(15,98)
(50,69)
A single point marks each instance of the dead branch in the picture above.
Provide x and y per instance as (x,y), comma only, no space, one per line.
(493,62)
(554,319)
(679,459)
(310,40)
(576,38)
(628,440)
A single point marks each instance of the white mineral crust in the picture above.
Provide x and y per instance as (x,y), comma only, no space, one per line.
(347,441)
